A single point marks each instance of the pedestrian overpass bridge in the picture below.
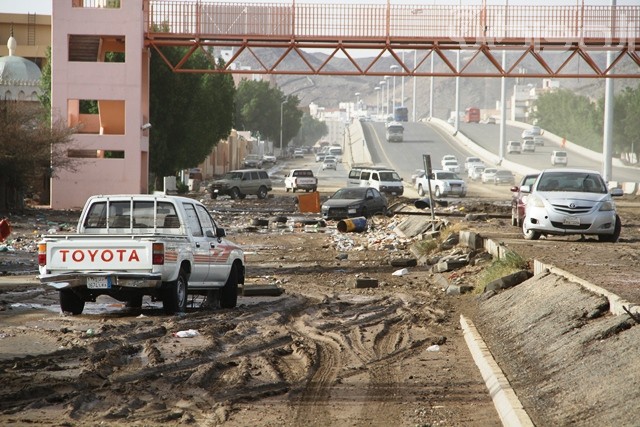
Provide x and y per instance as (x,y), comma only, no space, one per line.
(422,40)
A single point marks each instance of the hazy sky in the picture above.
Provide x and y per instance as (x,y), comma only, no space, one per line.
(43,7)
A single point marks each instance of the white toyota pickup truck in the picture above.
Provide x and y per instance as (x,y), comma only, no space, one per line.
(300,179)
(129,246)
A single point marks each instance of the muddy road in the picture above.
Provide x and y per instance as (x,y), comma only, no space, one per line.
(323,352)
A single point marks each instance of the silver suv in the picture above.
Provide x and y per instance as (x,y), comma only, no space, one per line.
(240,183)
(571,201)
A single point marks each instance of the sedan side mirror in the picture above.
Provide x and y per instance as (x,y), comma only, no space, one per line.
(525,189)
(617,192)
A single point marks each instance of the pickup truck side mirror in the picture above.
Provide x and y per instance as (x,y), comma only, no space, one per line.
(220,233)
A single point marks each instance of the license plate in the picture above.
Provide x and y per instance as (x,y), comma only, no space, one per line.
(98,283)
(569,220)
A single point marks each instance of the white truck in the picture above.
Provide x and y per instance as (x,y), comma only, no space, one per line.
(129,246)
(300,179)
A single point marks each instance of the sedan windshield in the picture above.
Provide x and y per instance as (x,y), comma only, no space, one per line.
(350,193)
(582,182)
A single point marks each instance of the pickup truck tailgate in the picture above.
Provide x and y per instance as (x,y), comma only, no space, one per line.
(99,254)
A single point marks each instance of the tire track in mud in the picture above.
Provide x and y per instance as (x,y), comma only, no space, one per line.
(358,359)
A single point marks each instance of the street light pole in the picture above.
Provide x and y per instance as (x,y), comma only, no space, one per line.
(377,89)
(386,104)
(415,83)
(393,102)
(281,123)
(382,86)
(402,84)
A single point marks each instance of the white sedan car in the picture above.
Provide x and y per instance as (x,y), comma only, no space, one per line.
(488,175)
(571,201)
(329,162)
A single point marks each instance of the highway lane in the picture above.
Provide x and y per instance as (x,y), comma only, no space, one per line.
(407,156)
(488,137)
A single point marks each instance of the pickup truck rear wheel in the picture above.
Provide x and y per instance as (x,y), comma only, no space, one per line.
(262,192)
(70,302)
(174,299)
(229,292)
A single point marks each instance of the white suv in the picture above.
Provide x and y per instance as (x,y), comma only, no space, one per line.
(514,147)
(559,158)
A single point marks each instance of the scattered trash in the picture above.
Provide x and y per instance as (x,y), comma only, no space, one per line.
(401,272)
(434,347)
(90,332)
(190,333)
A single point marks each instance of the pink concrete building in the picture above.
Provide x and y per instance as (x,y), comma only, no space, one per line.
(99,58)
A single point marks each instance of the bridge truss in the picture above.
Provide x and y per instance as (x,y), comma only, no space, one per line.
(368,40)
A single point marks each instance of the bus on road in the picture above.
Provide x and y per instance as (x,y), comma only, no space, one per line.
(401,114)
(472,115)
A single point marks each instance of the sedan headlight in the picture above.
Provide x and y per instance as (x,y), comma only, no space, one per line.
(607,206)
(535,201)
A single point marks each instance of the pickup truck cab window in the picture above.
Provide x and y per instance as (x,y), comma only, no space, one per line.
(205,220)
(119,215)
(192,220)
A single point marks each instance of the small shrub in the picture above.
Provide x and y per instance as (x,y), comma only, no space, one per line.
(510,263)
(182,188)
(426,247)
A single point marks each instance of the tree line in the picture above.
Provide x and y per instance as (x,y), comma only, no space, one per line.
(580,120)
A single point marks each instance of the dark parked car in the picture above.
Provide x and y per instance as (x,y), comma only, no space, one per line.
(353,202)
(518,199)
(252,161)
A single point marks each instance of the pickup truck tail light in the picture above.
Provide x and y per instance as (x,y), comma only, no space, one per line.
(42,254)
(158,254)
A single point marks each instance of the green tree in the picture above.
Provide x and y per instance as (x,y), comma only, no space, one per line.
(31,150)
(626,127)
(258,108)
(571,116)
(190,112)
(311,131)
(45,86)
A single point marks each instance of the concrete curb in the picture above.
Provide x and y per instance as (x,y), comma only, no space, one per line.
(617,305)
(509,408)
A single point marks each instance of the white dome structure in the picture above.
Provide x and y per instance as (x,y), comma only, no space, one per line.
(19,77)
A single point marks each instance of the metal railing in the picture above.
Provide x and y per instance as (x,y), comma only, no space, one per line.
(360,22)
